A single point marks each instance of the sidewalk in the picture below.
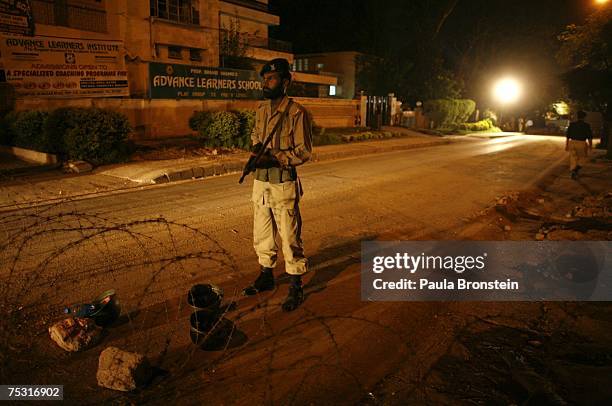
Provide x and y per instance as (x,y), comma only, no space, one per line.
(10,164)
(558,209)
(54,185)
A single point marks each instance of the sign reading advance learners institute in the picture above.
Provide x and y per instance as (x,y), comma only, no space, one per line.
(63,67)
(170,81)
(16,17)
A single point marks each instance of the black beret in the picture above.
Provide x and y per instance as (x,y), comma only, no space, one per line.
(280,65)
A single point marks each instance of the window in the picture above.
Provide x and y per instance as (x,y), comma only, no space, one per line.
(332,90)
(173,10)
(320,66)
(181,11)
(306,64)
(90,16)
(184,10)
(175,52)
(299,65)
(195,54)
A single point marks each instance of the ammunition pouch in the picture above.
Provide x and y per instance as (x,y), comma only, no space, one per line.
(276,174)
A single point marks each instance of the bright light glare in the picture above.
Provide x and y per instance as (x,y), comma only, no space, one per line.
(507,90)
(601,1)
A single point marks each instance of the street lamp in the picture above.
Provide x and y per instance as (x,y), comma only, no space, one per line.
(507,90)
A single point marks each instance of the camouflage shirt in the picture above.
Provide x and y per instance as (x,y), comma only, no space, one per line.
(292,143)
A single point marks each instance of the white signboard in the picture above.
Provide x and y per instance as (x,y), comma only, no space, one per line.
(63,67)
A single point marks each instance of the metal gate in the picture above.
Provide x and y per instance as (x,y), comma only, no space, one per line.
(378,111)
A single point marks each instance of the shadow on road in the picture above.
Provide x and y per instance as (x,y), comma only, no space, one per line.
(332,260)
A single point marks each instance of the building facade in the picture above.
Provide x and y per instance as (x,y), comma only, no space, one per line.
(345,66)
(158,61)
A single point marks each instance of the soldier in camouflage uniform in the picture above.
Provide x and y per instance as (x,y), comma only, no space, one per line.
(276,188)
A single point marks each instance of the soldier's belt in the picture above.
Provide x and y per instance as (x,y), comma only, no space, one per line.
(276,175)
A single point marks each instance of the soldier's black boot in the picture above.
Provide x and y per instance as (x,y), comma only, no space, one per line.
(296,294)
(265,281)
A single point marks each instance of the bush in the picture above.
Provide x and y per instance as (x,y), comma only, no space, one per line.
(247,122)
(59,122)
(327,139)
(28,131)
(7,98)
(199,120)
(490,115)
(465,109)
(447,113)
(224,128)
(7,128)
(95,135)
(482,125)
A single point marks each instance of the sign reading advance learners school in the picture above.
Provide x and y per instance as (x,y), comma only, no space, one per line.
(16,17)
(63,67)
(170,81)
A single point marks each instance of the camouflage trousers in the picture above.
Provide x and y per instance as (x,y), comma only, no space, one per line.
(277,214)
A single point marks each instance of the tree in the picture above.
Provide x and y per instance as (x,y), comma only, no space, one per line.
(586,55)
(409,81)
(234,47)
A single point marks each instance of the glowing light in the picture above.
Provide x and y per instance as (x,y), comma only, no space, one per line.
(561,108)
(601,1)
(507,90)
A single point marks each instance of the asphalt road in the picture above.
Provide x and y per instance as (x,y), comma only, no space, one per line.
(151,245)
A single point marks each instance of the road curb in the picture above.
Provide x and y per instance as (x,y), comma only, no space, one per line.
(167,178)
(198,172)
(202,172)
(42,158)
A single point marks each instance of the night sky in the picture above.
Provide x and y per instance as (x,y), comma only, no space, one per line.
(476,40)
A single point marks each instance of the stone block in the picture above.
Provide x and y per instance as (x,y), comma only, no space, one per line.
(78,167)
(198,172)
(160,179)
(122,370)
(175,176)
(186,174)
(209,171)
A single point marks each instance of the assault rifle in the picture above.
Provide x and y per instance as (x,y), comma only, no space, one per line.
(251,164)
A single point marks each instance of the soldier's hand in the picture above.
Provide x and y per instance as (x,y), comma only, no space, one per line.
(267,160)
(282,157)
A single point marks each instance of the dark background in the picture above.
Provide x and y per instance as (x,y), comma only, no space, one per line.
(428,44)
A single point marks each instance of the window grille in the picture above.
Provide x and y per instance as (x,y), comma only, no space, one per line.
(84,17)
(175,52)
(180,11)
(195,55)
